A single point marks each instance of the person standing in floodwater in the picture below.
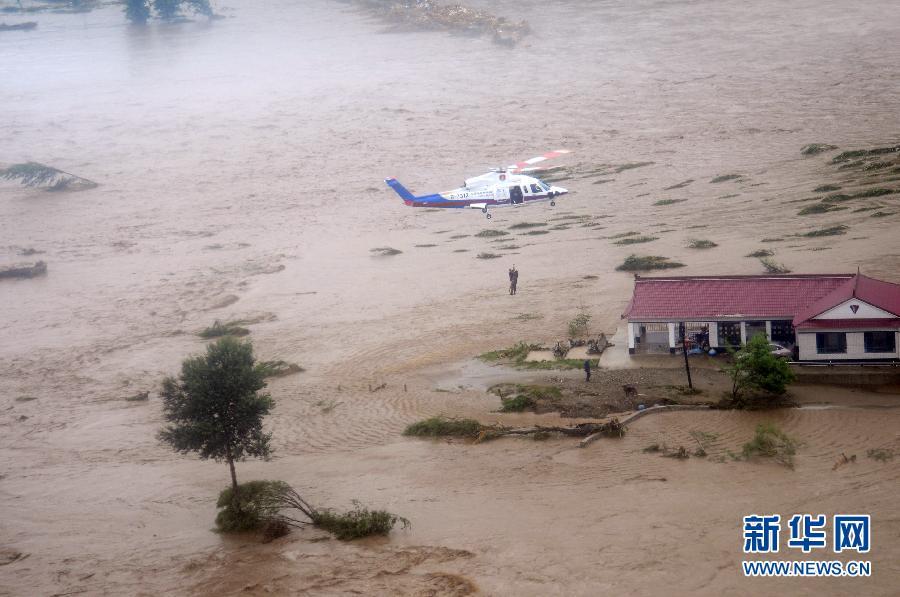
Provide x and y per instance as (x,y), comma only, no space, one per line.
(587,370)
(513,279)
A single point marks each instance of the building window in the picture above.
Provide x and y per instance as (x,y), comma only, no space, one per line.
(880,342)
(831,342)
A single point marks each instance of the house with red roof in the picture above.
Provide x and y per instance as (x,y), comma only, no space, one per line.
(822,317)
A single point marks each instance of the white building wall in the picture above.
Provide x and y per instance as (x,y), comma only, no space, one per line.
(856,349)
(863,311)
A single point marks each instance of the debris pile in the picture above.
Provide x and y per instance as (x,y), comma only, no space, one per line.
(33,174)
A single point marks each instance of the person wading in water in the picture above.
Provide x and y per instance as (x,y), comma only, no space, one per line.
(587,370)
(513,279)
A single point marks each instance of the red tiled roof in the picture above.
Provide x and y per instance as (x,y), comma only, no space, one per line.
(747,297)
(849,324)
(884,295)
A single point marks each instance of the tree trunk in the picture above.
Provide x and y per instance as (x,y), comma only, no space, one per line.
(234,483)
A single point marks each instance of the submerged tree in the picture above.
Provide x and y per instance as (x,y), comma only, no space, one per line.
(214,407)
(33,174)
(757,370)
(139,11)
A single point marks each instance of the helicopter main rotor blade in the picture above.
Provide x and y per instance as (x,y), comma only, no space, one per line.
(537,160)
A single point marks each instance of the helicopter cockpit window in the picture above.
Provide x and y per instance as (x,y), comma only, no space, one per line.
(544,185)
(535,188)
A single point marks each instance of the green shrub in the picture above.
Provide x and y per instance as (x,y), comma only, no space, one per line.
(636,263)
(662,202)
(579,325)
(826,188)
(701,244)
(385,251)
(818,208)
(490,233)
(771,442)
(634,240)
(357,523)
(528,225)
(441,426)
(219,329)
(487,256)
(816,148)
(725,178)
(880,454)
(773,267)
(255,505)
(516,404)
(761,253)
(278,368)
(624,234)
(830,231)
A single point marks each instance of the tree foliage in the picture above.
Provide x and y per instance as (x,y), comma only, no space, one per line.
(139,11)
(757,375)
(214,408)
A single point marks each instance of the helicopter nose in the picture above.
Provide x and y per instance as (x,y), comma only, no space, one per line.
(559,190)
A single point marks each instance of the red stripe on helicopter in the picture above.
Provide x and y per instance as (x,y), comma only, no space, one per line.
(539,159)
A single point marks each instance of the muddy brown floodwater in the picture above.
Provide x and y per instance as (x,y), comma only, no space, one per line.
(240,165)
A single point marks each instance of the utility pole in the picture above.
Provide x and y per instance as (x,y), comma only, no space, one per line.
(684,349)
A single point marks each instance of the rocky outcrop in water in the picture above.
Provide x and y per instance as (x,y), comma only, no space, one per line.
(23,270)
(429,15)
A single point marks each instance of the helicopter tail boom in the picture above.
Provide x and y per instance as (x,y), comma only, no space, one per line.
(400,189)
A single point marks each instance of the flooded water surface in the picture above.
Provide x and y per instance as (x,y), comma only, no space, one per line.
(240,165)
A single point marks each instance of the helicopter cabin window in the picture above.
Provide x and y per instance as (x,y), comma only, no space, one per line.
(535,188)
(525,189)
(544,185)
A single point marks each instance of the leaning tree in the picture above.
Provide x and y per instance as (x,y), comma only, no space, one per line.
(215,407)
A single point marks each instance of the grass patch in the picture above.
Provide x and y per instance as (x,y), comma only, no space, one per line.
(668,202)
(589,277)
(732,196)
(278,368)
(830,231)
(826,188)
(772,267)
(696,243)
(459,236)
(219,329)
(772,240)
(491,233)
(631,166)
(862,209)
(680,185)
(849,155)
(426,246)
(508,247)
(488,256)
(536,232)
(556,364)
(875,192)
(725,178)
(634,240)
(882,214)
(818,208)
(816,148)
(638,263)
(771,442)
(524,397)
(25,398)
(357,523)
(460,250)
(527,316)
(522,225)
(880,454)
(760,253)
(517,353)
(624,234)
(385,251)
(441,426)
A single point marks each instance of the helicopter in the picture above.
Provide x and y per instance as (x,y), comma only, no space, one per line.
(501,187)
